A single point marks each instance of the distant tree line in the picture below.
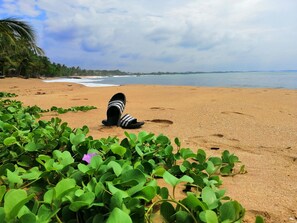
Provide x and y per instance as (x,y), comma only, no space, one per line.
(20,56)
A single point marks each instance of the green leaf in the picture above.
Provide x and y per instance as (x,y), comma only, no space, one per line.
(77,139)
(31,146)
(147,193)
(211,217)
(9,141)
(187,153)
(228,211)
(84,200)
(144,136)
(192,202)
(259,219)
(168,150)
(159,171)
(211,169)
(226,170)
(45,213)
(201,156)
(215,160)
(183,216)
(83,168)
(186,179)
(239,210)
(48,196)
(167,211)
(115,190)
(96,162)
(139,151)
(79,192)
(132,177)
(173,181)
(177,142)
(170,179)
(117,169)
(118,216)
(186,165)
(163,140)
(14,200)
(117,200)
(11,109)
(65,157)
(164,193)
(233,159)
(8,127)
(2,192)
(5,118)
(64,187)
(220,193)
(209,197)
(43,159)
(118,149)
(14,178)
(29,217)
(183,168)
(132,137)
(2,215)
(32,174)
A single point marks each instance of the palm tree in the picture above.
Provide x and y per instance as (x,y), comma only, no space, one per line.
(14,35)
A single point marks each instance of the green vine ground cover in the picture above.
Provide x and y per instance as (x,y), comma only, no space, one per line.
(50,172)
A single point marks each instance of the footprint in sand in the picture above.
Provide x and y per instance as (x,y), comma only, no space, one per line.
(218,135)
(40,93)
(195,140)
(78,99)
(164,122)
(222,136)
(161,108)
(235,112)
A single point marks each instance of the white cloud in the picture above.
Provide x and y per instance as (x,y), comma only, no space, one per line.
(17,8)
(164,35)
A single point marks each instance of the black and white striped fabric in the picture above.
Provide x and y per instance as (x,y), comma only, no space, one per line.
(126,120)
(118,104)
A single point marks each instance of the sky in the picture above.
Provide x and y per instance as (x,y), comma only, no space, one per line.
(163,35)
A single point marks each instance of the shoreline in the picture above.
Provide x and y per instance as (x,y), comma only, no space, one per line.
(268,80)
(256,124)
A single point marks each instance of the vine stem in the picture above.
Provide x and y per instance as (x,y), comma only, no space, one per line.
(28,184)
(169,200)
(58,219)
(173,192)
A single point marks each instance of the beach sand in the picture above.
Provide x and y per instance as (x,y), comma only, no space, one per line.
(258,125)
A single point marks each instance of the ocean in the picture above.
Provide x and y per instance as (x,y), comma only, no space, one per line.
(286,80)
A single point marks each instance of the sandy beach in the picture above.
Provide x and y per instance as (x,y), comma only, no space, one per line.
(258,125)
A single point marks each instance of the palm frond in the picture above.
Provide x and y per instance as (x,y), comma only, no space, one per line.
(17,28)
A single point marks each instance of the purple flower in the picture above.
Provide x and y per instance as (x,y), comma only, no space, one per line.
(87,157)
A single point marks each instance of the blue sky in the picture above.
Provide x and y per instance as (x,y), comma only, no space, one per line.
(167,35)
